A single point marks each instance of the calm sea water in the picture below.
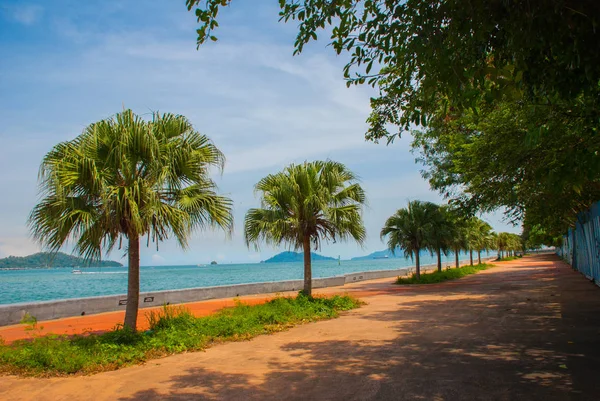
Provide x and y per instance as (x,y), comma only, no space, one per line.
(59,283)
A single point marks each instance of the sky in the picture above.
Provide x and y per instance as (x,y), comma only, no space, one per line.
(72,63)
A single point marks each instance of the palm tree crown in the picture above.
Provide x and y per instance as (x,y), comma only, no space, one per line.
(126,177)
(410,229)
(305,204)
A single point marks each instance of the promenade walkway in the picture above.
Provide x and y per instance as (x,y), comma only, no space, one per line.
(525,330)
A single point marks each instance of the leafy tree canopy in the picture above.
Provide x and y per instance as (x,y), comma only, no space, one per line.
(506,92)
(415,50)
(542,162)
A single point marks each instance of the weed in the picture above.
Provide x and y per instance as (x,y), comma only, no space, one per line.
(444,275)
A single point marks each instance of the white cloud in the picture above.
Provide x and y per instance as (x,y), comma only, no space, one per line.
(25,14)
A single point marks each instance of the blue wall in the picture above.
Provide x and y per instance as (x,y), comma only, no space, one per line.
(581,245)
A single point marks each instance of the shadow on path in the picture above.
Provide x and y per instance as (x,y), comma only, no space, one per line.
(531,332)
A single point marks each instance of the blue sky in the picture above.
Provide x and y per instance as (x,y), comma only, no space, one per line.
(71,63)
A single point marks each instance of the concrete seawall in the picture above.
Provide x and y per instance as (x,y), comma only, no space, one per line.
(47,310)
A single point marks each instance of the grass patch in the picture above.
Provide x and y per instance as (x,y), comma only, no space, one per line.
(444,275)
(172,330)
(508,258)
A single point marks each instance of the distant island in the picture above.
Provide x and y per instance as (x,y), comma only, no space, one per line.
(385,254)
(47,259)
(295,257)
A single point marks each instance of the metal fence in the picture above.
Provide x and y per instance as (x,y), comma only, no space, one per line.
(581,245)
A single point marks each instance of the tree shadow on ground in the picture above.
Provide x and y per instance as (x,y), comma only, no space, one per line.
(505,344)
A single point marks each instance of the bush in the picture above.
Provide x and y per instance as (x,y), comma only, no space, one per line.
(444,275)
(172,330)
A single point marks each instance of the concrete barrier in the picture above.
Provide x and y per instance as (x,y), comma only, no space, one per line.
(47,310)
(13,313)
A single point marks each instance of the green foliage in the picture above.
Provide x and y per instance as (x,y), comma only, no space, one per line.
(128,177)
(409,228)
(173,330)
(416,51)
(507,92)
(444,275)
(538,162)
(47,259)
(425,225)
(305,204)
(508,258)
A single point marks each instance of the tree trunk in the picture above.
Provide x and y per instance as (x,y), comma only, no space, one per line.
(307,267)
(439,260)
(471,256)
(479,256)
(133,282)
(456,258)
(418,265)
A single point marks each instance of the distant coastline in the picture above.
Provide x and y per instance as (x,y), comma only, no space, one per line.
(286,257)
(45,260)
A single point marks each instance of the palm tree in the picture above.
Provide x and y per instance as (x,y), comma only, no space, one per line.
(409,230)
(126,178)
(502,243)
(458,238)
(475,230)
(305,204)
(482,237)
(440,234)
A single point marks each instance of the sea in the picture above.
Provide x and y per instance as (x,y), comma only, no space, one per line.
(46,284)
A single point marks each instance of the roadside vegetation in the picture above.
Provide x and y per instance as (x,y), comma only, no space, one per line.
(444,275)
(172,330)
(441,229)
(508,258)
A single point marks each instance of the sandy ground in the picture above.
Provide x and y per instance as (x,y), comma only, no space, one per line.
(525,330)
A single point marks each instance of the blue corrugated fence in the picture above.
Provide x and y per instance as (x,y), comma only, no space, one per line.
(581,245)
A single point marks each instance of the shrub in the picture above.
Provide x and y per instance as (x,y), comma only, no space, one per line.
(444,275)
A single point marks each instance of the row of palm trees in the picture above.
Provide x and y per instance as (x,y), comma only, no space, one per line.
(125,178)
(437,229)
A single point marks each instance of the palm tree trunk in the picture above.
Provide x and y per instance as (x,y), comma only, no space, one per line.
(307,267)
(418,265)
(133,282)
(471,256)
(439,260)
(479,256)
(456,258)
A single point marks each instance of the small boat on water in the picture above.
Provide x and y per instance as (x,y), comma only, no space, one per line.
(76,271)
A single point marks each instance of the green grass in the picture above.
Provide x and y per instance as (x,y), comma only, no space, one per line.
(444,275)
(173,330)
(508,258)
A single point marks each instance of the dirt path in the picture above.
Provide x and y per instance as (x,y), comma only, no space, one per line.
(526,330)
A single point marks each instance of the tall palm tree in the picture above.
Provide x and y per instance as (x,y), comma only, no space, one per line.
(473,234)
(305,204)
(440,233)
(458,238)
(482,237)
(409,229)
(502,243)
(126,178)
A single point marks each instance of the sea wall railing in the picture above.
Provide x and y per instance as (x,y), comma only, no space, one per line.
(581,245)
